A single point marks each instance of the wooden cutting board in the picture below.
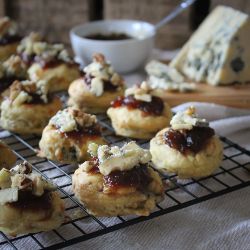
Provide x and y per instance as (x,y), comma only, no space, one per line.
(237,96)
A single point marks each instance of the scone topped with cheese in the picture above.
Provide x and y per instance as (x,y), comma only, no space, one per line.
(98,86)
(189,147)
(7,157)
(50,62)
(28,203)
(140,113)
(68,134)
(28,107)
(9,38)
(118,181)
(10,70)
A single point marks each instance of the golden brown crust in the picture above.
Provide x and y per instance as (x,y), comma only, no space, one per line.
(59,77)
(186,166)
(82,98)
(7,50)
(88,188)
(14,221)
(28,118)
(58,147)
(7,157)
(133,123)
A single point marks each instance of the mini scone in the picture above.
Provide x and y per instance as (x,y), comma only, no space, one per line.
(189,147)
(68,134)
(118,181)
(98,86)
(9,38)
(10,70)
(7,157)
(50,62)
(140,113)
(28,107)
(28,203)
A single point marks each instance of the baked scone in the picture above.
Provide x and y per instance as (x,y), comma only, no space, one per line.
(50,62)
(10,70)
(140,113)
(189,147)
(28,203)
(98,86)
(9,38)
(118,181)
(7,157)
(68,134)
(28,107)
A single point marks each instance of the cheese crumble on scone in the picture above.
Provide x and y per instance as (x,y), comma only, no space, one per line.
(9,38)
(28,107)
(98,86)
(50,62)
(189,147)
(68,134)
(28,203)
(118,181)
(140,113)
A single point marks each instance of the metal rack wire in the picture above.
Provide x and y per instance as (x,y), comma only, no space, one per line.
(233,174)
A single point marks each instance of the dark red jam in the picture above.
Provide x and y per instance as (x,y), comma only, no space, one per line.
(137,177)
(28,201)
(155,107)
(108,86)
(109,37)
(193,140)
(80,135)
(94,169)
(10,39)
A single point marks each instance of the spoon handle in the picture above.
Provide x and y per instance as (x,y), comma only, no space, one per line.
(185,4)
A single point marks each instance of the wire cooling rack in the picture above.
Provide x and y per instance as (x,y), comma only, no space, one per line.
(233,174)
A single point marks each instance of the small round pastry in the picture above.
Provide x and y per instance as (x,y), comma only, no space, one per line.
(118,181)
(9,39)
(49,62)
(28,107)
(188,148)
(12,69)
(98,86)
(7,157)
(28,203)
(67,136)
(140,113)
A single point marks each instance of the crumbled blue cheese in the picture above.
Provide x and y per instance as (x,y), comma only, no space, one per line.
(101,71)
(187,120)
(161,76)
(121,159)
(64,121)
(14,66)
(141,93)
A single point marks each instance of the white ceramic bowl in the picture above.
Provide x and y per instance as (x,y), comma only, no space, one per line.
(125,55)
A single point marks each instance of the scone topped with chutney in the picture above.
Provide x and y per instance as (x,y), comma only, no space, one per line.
(9,38)
(98,86)
(118,181)
(28,203)
(189,147)
(140,113)
(50,62)
(28,107)
(68,134)
(10,70)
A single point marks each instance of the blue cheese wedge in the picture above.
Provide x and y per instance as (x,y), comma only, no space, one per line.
(116,158)
(219,51)
(187,120)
